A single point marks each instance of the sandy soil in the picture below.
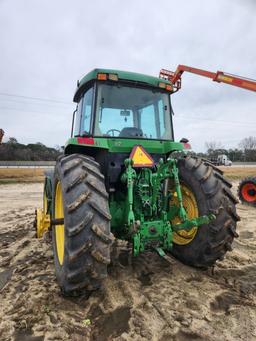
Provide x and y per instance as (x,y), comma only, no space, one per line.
(146,300)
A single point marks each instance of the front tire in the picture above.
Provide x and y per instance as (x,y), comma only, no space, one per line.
(81,244)
(211,192)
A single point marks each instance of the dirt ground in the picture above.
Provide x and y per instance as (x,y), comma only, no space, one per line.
(146,300)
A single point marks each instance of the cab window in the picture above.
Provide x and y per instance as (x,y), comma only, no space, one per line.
(86,112)
(77,118)
(132,112)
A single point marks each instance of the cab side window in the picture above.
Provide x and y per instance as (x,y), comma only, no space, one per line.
(82,119)
(87,111)
(77,118)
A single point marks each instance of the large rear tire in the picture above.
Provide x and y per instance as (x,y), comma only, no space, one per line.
(207,192)
(247,191)
(81,245)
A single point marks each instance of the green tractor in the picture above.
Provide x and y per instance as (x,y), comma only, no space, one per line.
(123,176)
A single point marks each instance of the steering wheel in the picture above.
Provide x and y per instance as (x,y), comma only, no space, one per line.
(113,131)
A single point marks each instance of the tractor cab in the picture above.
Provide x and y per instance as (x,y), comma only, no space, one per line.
(114,105)
(117,110)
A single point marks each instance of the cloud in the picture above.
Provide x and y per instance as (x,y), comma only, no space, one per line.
(47,45)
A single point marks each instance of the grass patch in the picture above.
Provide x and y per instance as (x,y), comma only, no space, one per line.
(14,175)
(237,173)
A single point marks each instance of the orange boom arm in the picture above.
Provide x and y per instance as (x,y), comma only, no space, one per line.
(219,76)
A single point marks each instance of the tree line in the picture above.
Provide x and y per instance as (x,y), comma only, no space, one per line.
(246,151)
(12,150)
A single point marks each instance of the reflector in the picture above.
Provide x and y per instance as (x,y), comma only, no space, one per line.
(102,76)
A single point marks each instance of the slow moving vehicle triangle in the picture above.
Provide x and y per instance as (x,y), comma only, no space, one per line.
(140,157)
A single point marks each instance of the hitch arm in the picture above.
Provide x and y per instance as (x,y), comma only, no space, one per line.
(195,222)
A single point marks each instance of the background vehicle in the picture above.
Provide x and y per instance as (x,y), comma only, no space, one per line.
(221,160)
(224,160)
(123,176)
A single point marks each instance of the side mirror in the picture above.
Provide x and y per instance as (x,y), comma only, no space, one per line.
(184,140)
(185,143)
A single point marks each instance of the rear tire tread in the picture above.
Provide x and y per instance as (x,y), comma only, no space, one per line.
(74,230)
(213,195)
(99,210)
(76,182)
(72,166)
(101,191)
(108,239)
(78,202)
(87,248)
(94,172)
(207,174)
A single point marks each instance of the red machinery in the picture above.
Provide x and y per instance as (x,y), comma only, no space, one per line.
(1,135)
(247,187)
(219,76)
(247,191)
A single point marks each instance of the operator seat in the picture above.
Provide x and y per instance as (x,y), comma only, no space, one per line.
(131,132)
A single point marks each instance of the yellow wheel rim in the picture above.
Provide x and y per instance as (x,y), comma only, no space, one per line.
(45,203)
(59,229)
(184,237)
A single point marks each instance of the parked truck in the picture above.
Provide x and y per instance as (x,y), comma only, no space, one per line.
(221,160)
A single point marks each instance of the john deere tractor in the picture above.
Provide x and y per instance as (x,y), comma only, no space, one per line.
(123,176)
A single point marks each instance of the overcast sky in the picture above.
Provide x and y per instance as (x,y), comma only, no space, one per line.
(46,45)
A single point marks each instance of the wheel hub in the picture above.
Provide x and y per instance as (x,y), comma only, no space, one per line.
(249,192)
(184,237)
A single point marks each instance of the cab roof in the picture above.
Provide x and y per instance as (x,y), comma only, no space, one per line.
(122,75)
